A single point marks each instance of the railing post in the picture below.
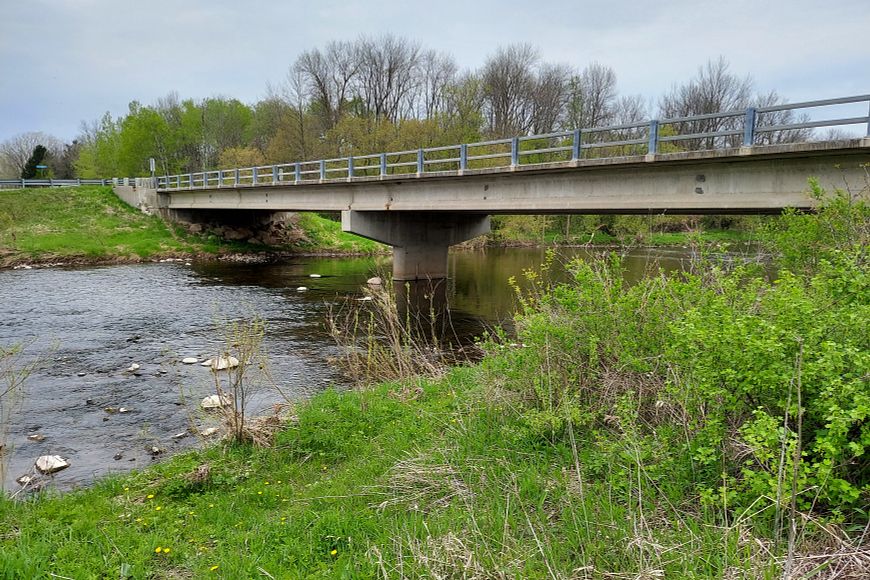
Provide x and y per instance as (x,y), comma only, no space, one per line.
(749,127)
(297,173)
(236,177)
(79,181)
(868,118)
(322,170)
(190,179)
(383,164)
(653,137)
(254,176)
(575,146)
(220,178)
(515,151)
(274,174)
(420,164)
(463,157)
(349,167)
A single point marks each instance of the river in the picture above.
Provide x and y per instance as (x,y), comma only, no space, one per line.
(85,327)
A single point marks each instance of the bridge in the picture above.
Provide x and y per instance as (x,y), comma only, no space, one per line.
(422,201)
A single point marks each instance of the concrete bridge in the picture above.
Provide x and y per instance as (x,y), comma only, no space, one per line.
(421,202)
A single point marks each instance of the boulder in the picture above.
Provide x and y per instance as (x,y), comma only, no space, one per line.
(38,437)
(206,363)
(215,402)
(51,463)
(25,480)
(133,367)
(191,360)
(224,363)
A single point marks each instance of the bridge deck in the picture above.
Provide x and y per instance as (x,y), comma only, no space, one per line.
(758,179)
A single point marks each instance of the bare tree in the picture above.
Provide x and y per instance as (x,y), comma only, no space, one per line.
(508,82)
(714,89)
(327,78)
(550,97)
(592,97)
(388,76)
(438,72)
(15,151)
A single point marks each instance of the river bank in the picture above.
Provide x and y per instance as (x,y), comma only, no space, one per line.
(77,226)
(706,424)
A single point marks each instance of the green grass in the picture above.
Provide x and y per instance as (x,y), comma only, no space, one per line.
(88,222)
(326,234)
(93,224)
(374,483)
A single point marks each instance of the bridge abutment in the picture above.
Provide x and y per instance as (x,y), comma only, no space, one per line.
(420,239)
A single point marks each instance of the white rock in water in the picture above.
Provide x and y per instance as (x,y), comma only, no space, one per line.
(24,480)
(38,437)
(208,432)
(51,463)
(302,289)
(133,367)
(215,402)
(191,360)
(314,276)
(123,410)
(206,363)
(376,281)
(222,363)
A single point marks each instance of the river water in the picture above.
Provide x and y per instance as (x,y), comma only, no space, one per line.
(85,327)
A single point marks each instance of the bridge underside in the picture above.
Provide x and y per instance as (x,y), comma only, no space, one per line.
(421,216)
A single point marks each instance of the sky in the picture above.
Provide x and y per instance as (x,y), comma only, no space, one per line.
(63,62)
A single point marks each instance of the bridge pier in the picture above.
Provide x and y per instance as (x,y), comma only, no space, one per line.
(420,239)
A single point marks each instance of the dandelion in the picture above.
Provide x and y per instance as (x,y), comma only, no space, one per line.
(259,493)
(138,520)
(149,496)
(215,567)
(158,508)
(166,550)
(190,513)
(211,505)
(267,483)
(158,549)
(334,552)
(126,489)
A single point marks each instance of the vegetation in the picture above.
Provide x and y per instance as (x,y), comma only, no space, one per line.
(708,424)
(92,224)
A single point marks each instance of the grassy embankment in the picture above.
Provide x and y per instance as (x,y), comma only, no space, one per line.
(90,224)
(708,425)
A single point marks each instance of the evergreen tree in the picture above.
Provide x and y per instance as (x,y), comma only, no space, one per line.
(36,158)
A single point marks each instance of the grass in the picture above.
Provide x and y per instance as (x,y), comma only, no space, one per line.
(326,234)
(86,222)
(92,224)
(370,484)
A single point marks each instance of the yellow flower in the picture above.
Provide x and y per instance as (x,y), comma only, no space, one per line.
(158,549)
(211,505)
(158,508)
(213,568)
(334,552)
(165,550)
(259,493)
(150,496)
(126,489)
(190,513)
(267,483)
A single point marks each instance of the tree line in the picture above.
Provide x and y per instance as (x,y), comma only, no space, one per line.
(381,94)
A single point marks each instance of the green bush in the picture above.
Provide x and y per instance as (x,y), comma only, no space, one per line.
(757,386)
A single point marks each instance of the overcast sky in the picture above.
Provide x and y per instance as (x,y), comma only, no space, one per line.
(67,61)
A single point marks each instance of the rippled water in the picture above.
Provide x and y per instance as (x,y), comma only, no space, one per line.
(87,326)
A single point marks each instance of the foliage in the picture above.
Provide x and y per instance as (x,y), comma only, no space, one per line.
(758,386)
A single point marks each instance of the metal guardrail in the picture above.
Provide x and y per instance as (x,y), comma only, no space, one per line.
(21,183)
(613,141)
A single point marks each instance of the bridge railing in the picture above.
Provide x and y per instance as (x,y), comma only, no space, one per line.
(743,128)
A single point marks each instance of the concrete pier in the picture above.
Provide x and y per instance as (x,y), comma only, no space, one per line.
(420,239)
